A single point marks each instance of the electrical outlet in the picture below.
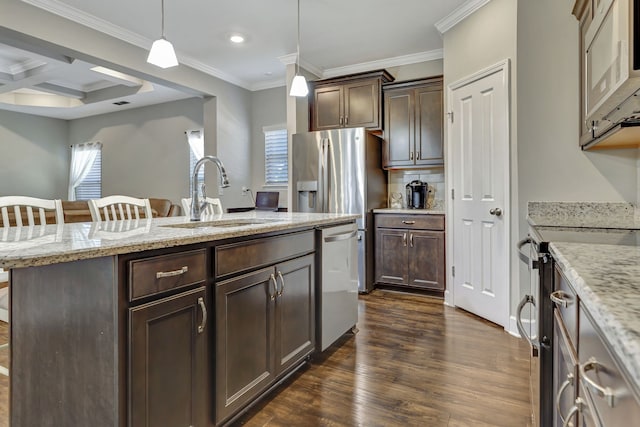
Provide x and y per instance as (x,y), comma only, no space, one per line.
(245,190)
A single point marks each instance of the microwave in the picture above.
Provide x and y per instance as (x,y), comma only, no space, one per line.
(611,80)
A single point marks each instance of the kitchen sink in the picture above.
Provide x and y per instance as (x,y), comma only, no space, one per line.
(223,223)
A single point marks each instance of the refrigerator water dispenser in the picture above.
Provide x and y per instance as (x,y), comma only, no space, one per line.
(307,195)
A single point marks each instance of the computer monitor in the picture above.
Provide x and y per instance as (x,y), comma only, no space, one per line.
(267,200)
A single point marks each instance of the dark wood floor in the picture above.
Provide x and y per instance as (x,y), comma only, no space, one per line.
(414,362)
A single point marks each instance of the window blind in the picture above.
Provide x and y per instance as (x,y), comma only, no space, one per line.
(276,157)
(195,138)
(91,187)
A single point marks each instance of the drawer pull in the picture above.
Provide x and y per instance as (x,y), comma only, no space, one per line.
(161,274)
(408,222)
(563,387)
(605,392)
(203,307)
(528,299)
(561,299)
(575,409)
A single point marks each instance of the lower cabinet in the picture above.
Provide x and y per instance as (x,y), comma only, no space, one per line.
(167,359)
(264,326)
(407,255)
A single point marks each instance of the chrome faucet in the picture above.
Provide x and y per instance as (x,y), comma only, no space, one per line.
(196,206)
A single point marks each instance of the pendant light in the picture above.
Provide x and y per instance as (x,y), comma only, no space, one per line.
(299,84)
(162,53)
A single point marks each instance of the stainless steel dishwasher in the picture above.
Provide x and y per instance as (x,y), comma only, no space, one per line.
(337,283)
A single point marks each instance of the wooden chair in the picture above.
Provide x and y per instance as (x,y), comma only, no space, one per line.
(214,206)
(114,208)
(15,210)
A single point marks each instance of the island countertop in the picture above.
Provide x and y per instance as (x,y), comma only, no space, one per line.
(51,244)
(607,281)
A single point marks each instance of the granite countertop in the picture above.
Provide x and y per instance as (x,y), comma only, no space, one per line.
(584,214)
(607,281)
(410,211)
(51,244)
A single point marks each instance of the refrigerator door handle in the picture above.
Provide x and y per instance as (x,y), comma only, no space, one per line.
(325,175)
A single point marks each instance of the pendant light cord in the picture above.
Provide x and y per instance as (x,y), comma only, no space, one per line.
(162,6)
(298,58)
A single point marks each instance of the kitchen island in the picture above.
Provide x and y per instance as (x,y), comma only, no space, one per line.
(158,322)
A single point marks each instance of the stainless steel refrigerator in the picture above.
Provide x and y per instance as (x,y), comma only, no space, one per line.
(339,171)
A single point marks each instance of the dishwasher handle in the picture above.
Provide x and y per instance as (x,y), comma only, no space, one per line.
(339,237)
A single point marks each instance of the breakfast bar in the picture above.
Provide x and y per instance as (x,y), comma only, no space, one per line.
(147,322)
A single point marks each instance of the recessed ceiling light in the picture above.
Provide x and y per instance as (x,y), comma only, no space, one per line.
(236,38)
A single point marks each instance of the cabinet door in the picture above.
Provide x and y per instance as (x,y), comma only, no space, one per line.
(426,259)
(391,256)
(245,326)
(327,110)
(295,313)
(398,128)
(361,104)
(167,359)
(429,125)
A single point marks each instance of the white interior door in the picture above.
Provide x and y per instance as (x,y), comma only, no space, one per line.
(479,144)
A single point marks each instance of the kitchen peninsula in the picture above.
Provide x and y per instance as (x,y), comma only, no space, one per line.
(158,322)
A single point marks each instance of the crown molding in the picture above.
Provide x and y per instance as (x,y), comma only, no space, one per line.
(268,84)
(459,15)
(68,12)
(288,59)
(397,61)
(21,67)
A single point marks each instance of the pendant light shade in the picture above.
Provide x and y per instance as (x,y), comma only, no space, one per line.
(299,84)
(162,53)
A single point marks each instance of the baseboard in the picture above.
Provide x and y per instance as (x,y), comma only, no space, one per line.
(513,326)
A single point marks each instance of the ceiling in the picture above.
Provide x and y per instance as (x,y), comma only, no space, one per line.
(336,37)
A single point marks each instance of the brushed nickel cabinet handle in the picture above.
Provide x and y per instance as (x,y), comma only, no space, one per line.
(178,272)
(203,307)
(404,239)
(281,283)
(411,155)
(528,299)
(341,121)
(411,239)
(561,390)
(417,155)
(272,278)
(561,299)
(604,392)
(408,222)
(346,120)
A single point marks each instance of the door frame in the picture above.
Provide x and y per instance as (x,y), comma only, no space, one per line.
(510,208)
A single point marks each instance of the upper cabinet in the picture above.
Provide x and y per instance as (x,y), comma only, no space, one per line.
(350,101)
(609,73)
(413,124)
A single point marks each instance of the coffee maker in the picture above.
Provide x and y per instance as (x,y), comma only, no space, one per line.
(417,194)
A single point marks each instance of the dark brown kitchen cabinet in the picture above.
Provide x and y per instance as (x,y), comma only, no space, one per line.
(410,251)
(350,101)
(413,124)
(265,319)
(167,360)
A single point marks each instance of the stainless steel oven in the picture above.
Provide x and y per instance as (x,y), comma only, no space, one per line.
(534,319)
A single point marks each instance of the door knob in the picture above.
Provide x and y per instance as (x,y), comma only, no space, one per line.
(496,211)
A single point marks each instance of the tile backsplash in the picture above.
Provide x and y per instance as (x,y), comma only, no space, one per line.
(398,179)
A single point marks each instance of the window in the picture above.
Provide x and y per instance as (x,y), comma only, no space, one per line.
(85,175)
(195,138)
(275,155)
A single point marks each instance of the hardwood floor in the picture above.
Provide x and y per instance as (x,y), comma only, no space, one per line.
(414,362)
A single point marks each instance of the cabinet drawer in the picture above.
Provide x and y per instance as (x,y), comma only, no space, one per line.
(248,255)
(426,222)
(566,303)
(159,274)
(597,366)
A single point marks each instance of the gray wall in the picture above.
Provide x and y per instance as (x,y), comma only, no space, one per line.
(34,156)
(268,108)
(145,151)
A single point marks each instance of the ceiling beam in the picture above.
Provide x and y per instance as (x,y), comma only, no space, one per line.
(61,90)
